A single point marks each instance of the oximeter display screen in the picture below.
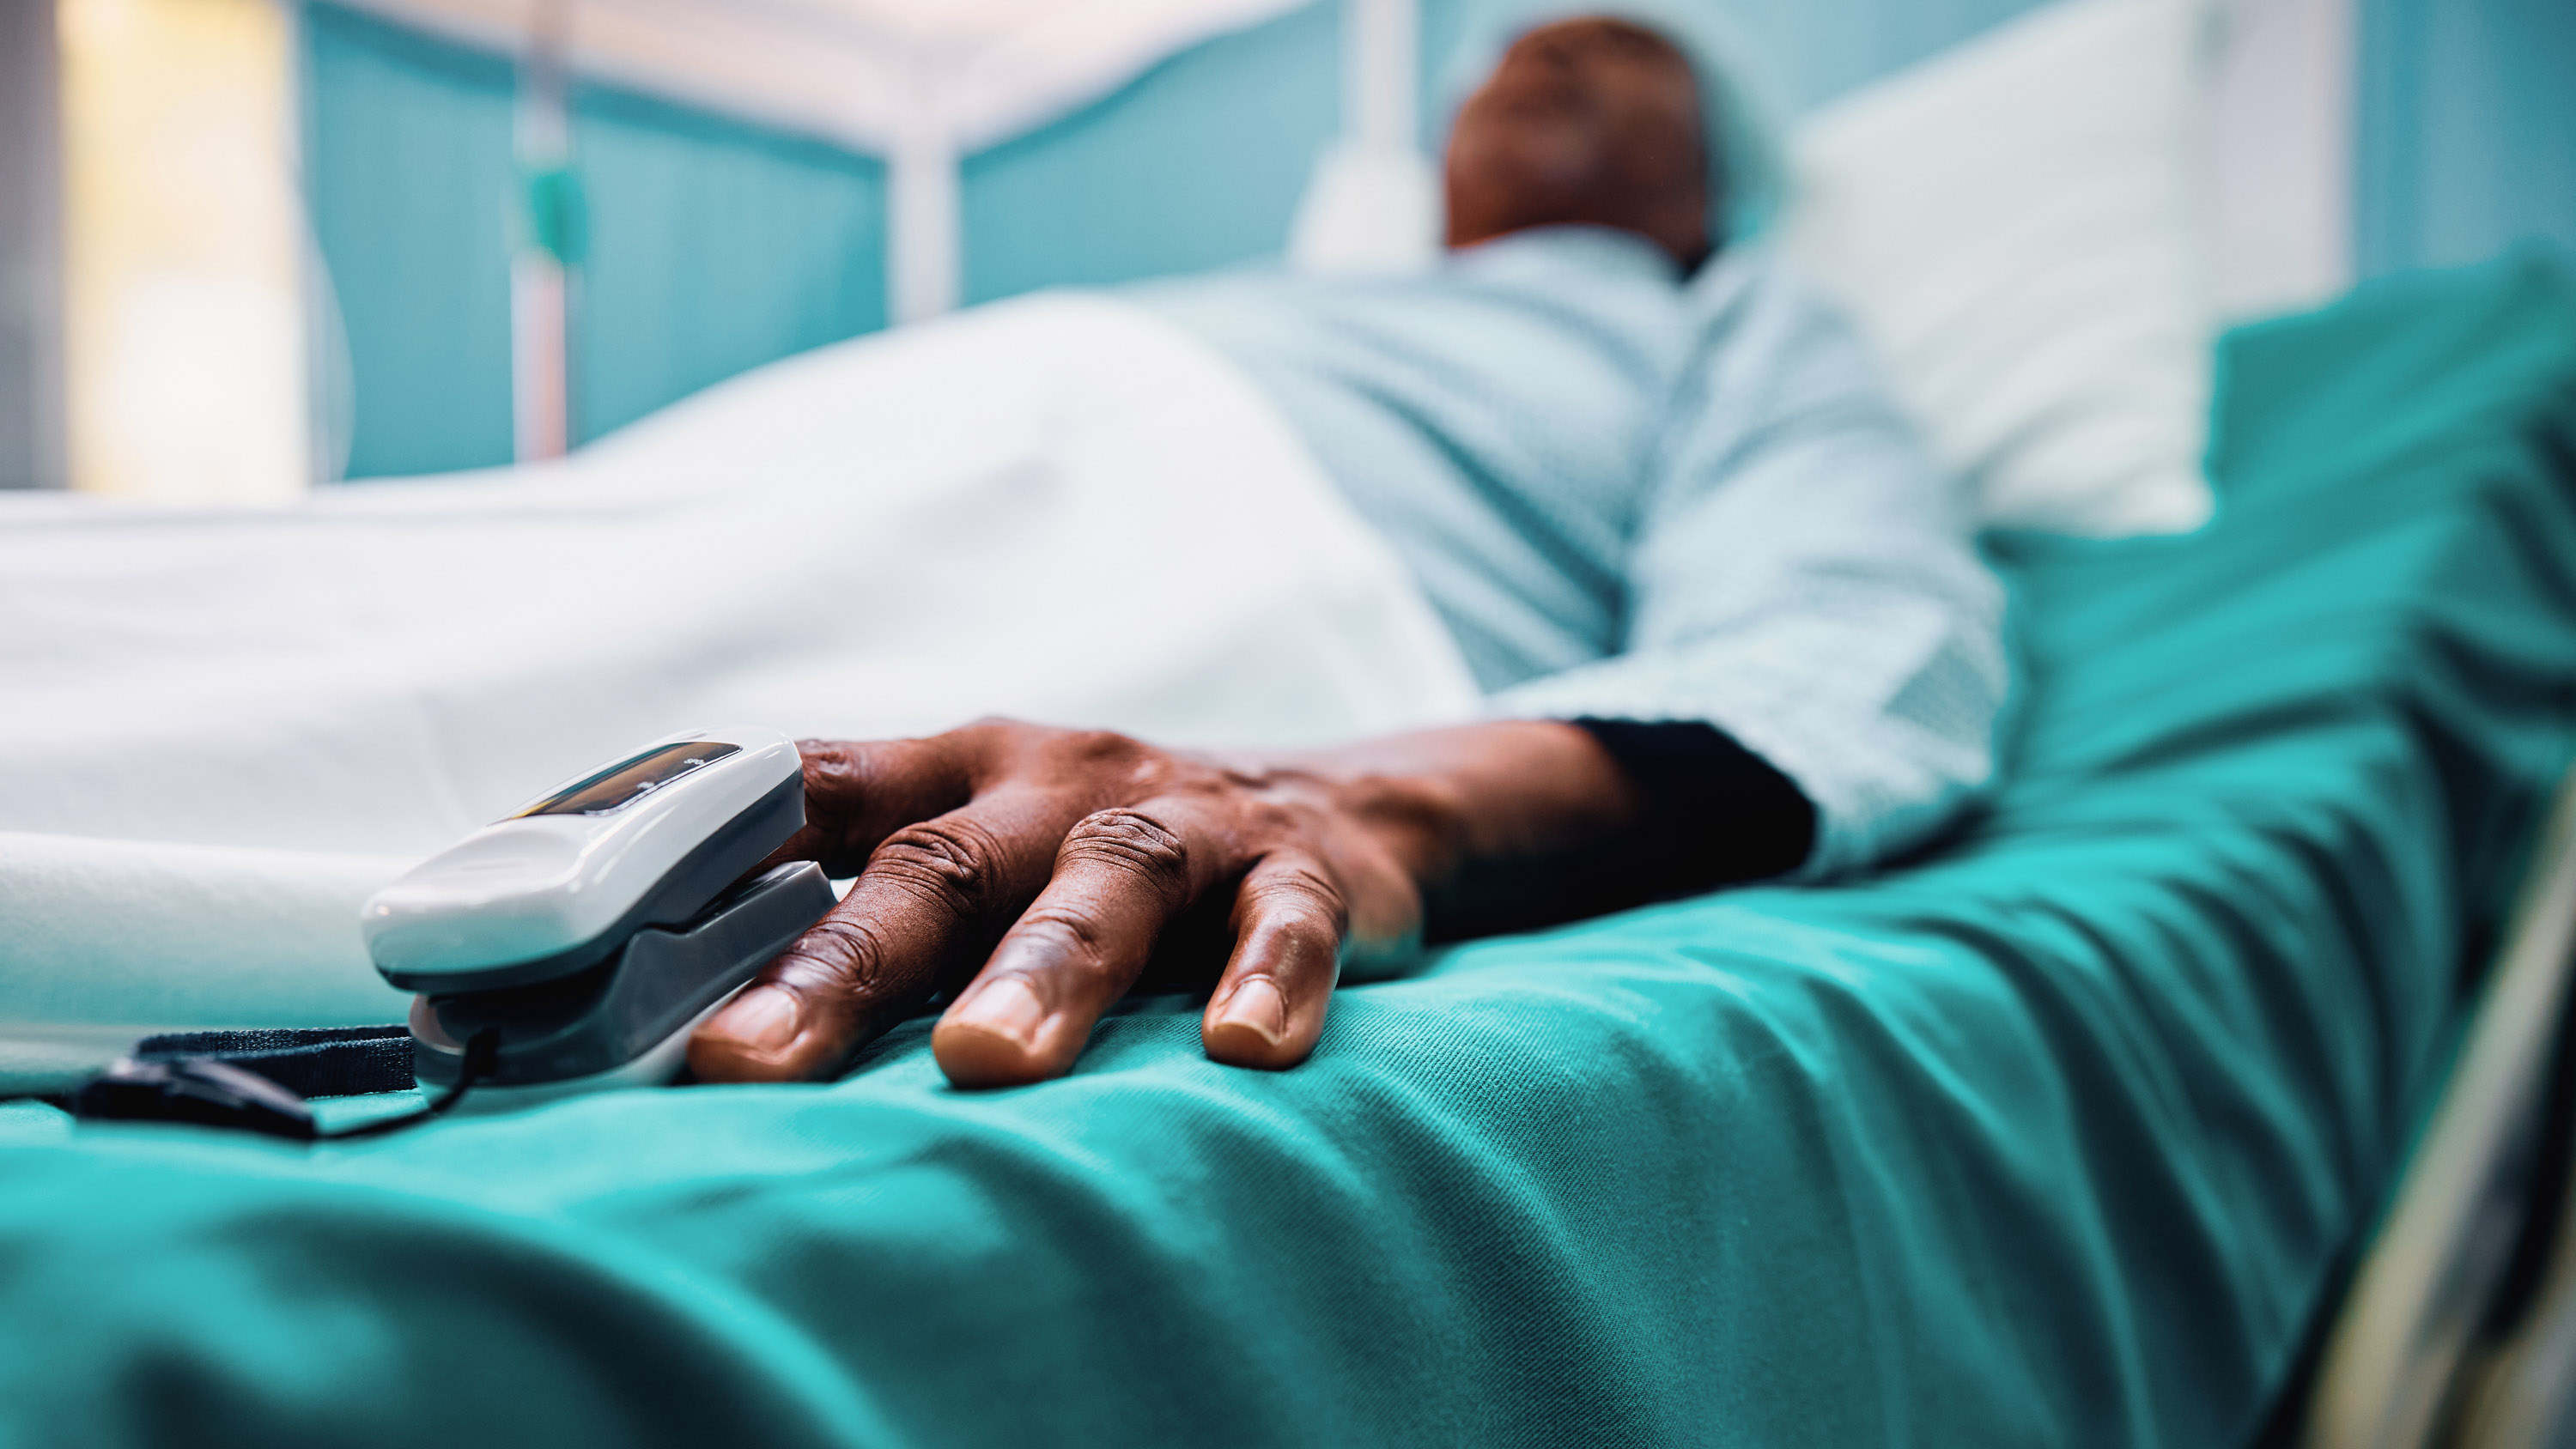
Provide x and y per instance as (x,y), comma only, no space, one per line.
(628,781)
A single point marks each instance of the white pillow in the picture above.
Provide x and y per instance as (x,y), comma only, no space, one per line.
(2018,225)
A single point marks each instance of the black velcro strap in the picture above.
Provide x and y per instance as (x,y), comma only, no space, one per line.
(336,1061)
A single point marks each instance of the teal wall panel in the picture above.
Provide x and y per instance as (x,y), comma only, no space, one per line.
(2467,130)
(1198,163)
(408,176)
(714,247)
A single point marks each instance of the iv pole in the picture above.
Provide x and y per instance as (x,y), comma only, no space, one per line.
(547,246)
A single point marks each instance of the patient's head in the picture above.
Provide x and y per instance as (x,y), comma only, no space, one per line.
(1593,120)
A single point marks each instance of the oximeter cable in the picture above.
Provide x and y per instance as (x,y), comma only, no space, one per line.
(482,1052)
(208,1091)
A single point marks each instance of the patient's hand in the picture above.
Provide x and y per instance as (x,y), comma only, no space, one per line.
(1036,870)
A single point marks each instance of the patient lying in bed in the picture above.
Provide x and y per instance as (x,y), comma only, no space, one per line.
(1729,618)
(1718,616)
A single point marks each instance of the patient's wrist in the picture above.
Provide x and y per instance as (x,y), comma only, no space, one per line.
(1467,807)
(1520,823)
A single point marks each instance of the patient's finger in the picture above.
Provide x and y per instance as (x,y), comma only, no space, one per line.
(859,792)
(1119,877)
(1268,1007)
(929,903)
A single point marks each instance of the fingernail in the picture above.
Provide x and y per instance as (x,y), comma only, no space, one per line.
(1257,1006)
(764,1019)
(1007,1008)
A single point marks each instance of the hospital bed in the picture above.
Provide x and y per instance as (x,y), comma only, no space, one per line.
(2059,1134)
(2068,1131)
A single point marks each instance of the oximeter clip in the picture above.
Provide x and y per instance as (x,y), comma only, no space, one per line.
(576,943)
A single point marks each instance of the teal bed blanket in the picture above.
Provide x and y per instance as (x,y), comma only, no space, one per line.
(2054,1136)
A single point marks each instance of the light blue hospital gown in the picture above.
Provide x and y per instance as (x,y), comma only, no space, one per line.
(1635,496)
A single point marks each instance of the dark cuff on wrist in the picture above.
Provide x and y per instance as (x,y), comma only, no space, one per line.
(1715,811)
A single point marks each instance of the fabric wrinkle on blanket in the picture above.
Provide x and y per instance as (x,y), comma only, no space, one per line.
(1057,508)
